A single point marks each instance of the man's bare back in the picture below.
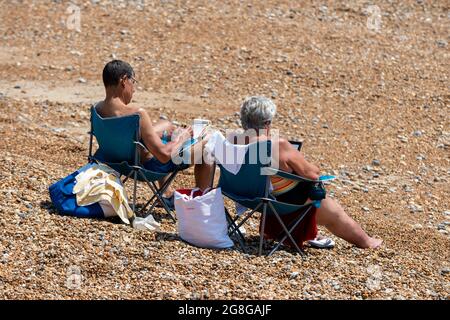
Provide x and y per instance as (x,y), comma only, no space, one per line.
(114,109)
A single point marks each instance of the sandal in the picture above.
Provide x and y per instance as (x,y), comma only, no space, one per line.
(321,243)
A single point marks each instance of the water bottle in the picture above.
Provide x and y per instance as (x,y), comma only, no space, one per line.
(165,137)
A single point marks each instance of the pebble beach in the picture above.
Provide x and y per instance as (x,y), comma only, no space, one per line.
(365,87)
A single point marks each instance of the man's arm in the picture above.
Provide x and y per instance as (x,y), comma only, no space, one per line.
(162,152)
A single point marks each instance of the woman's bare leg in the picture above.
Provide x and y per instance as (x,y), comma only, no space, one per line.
(333,217)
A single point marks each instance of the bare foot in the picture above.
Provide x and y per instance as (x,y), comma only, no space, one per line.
(374,243)
(319,237)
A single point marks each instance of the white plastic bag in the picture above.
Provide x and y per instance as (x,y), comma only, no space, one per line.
(201,219)
(148,223)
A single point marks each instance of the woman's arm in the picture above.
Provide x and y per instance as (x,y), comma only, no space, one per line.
(297,162)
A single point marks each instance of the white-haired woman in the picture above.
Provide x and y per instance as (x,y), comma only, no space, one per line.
(257,114)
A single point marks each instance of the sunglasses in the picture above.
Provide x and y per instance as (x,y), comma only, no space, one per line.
(133,80)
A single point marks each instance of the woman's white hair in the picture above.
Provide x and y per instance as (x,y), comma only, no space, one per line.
(256,112)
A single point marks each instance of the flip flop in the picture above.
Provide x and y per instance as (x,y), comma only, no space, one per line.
(324,243)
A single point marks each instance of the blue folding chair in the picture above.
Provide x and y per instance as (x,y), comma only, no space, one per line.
(118,139)
(250,188)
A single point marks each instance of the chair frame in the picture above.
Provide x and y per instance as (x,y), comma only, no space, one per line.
(266,202)
(136,171)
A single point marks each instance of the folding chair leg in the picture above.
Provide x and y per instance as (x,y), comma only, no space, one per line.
(263,225)
(161,191)
(127,177)
(158,195)
(285,229)
(134,192)
(240,236)
(152,199)
(248,216)
(290,231)
(149,211)
(159,198)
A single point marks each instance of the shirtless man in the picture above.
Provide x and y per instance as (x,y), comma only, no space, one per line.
(119,80)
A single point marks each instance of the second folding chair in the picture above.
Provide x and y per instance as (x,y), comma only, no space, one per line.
(250,188)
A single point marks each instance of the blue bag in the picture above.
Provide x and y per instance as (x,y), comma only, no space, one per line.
(65,201)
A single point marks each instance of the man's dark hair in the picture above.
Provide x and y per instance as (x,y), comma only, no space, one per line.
(114,70)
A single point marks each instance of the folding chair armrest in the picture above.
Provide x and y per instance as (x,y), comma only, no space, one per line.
(92,159)
(286,175)
(141,145)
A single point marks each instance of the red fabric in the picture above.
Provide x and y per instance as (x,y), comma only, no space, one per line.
(305,230)
(188,192)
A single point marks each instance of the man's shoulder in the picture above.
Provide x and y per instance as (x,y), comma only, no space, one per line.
(129,110)
(141,111)
(145,117)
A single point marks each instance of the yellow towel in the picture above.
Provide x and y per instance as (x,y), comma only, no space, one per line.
(102,183)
